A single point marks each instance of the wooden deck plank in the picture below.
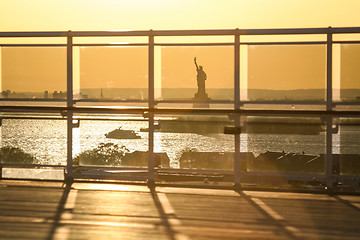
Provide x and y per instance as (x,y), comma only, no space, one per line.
(45,210)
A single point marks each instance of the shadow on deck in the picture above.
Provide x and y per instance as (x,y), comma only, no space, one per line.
(52,210)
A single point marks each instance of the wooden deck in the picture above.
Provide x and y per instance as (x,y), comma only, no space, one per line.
(48,210)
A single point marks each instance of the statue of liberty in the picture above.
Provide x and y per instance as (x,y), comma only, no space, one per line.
(201,77)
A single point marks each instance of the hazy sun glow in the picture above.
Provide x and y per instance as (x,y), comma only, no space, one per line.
(19,15)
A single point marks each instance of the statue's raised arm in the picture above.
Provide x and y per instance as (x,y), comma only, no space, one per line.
(197,68)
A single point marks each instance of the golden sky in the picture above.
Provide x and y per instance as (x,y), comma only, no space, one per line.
(29,69)
(288,67)
(36,15)
(268,67)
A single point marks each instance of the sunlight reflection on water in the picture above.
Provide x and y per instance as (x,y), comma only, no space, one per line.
(47,140)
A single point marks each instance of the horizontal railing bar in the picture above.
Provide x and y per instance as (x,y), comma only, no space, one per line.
(175,101)
(177,44)
(246,112)
(53,109)
(156,101)
(297,31)
(23,111)
(173,44)
(240,32)
(178,170)
(110,168)
(346,103)
(83,118)
(33,45)
(285,43)
(186,170)
(109,44)
(154,33)
(281,31)
(346,42)
(20,165)
(283,174)
(242,43)
(192,44)
(112,100)
(345,30)
(347,177)
(35,34)
(289,176)
(253,112)
(195,101)
(32,100)
(284,102)
(33,118)
(209,101)
(215,44)
(168,170)
(75,100)
(284,31)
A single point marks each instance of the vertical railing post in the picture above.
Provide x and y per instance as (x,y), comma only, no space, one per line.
(237,160)
(0,118)
(0,70)
(329,105)
(69,84)
(151,104)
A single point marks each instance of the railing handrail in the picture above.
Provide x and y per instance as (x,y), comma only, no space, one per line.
(144,110)
(193,32)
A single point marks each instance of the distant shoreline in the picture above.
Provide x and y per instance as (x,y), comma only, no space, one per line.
(214,94)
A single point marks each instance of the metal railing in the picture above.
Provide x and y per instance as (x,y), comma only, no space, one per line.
(152,109)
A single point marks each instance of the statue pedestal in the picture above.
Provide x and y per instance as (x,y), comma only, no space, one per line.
(200,100)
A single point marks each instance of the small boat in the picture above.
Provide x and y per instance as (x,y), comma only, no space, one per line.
(122,134)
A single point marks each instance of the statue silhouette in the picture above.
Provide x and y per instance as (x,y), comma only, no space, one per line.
(201,77)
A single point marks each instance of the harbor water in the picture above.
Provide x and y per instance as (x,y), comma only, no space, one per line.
(46,140)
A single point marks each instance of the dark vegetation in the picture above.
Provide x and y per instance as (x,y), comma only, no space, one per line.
(10,154)
(103,154)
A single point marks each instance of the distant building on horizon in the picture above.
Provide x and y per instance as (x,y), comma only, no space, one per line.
(59,95)
(81,96)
